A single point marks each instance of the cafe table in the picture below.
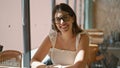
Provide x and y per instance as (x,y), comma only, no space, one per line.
(8,67)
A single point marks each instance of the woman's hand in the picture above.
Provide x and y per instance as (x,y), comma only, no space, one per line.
(37,64)
(59,66)
(41,66)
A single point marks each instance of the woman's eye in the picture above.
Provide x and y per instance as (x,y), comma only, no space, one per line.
(58,19)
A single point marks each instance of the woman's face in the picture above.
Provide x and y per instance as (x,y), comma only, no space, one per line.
(63,21)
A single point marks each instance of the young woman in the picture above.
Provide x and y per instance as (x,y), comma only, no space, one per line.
(67,45)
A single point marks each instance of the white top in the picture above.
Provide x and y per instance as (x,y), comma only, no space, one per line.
(63,57)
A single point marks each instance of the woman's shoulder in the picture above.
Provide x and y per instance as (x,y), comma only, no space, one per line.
(84,34)
(52,36)
(52,33)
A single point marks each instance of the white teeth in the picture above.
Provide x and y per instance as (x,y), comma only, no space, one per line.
(61,21)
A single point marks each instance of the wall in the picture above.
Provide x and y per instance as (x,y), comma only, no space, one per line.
(11,24)
(106,15)
(107,18)
(11,33)
(40,21)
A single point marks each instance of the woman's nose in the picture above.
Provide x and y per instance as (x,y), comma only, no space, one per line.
(61,21)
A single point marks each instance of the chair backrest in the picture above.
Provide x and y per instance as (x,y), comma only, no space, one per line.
(93,49)
(10,58)
(96,36)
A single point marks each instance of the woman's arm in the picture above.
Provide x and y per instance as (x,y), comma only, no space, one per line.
(37,64)
(36,61)
(82,56)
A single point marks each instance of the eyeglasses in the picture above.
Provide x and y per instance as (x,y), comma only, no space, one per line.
(65,18)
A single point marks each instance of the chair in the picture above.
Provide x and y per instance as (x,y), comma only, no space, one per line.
(93,49)
(96,37)
(10,58)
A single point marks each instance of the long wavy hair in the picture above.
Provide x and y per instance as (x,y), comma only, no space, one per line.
(64,7)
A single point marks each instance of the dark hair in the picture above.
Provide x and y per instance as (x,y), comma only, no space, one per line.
(64,7)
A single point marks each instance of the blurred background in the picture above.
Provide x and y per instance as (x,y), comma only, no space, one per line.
(91,15)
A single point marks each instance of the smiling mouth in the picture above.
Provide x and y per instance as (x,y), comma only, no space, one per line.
(64,27)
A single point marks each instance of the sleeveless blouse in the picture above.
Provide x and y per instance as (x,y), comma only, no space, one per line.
(59,56)
(63,57)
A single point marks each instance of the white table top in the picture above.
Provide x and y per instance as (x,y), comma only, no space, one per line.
(8,67)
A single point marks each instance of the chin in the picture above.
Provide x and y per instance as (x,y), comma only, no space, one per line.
(65,30)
